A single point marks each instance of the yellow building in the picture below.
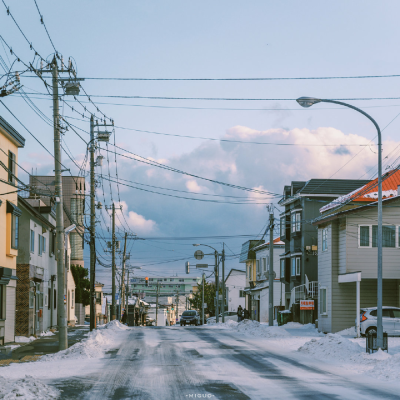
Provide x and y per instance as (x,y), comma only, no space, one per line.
(10,142)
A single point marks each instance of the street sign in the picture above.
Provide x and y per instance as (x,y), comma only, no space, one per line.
(201,265)
(198,255)
(306,304)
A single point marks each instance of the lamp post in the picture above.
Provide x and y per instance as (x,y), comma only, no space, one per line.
(217,281)
(308,102)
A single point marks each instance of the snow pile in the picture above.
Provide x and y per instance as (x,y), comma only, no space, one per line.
(332,346)
(94,346)
(348,332)
(24,339)
(48,333)
(27,388)
(254,328)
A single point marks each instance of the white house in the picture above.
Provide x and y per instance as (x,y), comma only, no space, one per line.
(235,284)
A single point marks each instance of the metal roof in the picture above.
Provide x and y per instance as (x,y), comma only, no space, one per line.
(12,133)
(332,186)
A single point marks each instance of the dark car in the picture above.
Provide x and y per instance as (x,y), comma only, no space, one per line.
(190,317)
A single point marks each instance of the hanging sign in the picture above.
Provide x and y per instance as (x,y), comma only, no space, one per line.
(306,304)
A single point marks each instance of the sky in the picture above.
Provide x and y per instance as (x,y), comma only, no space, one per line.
(208,39)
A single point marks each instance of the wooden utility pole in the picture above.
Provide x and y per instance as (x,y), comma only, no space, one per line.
(123,273)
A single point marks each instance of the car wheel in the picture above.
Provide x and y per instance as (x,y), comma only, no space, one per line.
(371,330)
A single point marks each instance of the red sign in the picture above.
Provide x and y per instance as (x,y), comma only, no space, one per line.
(306,304)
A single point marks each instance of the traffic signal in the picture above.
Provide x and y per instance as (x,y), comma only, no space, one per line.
(146,281)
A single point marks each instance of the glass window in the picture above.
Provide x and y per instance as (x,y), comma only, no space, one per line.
(293,222)
(283,220)
(322,300)
(298,265)
(73,298)
(171,280)
(14,231)
(282,268)
(386,313)
(388,236)
(242,293)
(324,239)
(40,244)
(44,244)
(32,241)
(257,266)
(298,222)
(293,260)
(396,313)
(364,236)
(98,297)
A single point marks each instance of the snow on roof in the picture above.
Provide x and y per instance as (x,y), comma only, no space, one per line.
(369,192)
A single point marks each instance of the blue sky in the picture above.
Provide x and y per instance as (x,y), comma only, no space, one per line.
(224,39)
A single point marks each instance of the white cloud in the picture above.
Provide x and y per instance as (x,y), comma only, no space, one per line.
(193,186)
(137,223)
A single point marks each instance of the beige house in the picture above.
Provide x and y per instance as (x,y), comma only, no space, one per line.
(10,142)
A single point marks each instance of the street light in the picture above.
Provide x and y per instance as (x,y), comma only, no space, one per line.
(308,102)
(217,282)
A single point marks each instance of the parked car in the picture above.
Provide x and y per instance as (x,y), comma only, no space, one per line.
(390,320)
(190,317)
(228,315)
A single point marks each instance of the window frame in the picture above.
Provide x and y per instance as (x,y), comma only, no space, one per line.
(325,239)
(323,310)
(371,236)
(298,265)
(283,266)
(293,266)
(32,245)
(14,231)
(40,244)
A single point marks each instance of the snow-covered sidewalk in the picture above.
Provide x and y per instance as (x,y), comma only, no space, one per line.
(27,380)
(340,350)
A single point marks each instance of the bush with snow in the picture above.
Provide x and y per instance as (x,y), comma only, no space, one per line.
(27,388)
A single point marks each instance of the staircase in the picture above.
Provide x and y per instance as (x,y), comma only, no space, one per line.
(304,292)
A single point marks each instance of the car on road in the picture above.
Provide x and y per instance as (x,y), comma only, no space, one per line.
(190,317)
(229,315)
(390,320)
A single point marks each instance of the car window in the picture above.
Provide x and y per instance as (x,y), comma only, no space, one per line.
(373,313)
(386,313)
(189,313)
(396,313)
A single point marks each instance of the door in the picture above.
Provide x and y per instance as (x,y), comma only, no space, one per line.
(396,318)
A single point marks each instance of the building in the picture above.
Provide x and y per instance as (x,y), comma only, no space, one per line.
(257,292)
(299,261)
(70,287)
(235,284)
(100,304)
(10,142)
(347,256)
(73,188)
(36,297)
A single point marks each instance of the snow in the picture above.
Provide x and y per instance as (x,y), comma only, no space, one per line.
(24,339)
(348,332)
(12,346)
(26,388)
(48,333)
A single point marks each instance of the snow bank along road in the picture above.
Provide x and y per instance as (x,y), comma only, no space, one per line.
(182,363)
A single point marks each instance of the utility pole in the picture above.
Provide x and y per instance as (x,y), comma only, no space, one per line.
(271,266)
(92,231)
(216,287)
(223,282)
(123,274)
(113,307)
(127,295)
(177,305)
(202,304)
(158,286)
(61,309)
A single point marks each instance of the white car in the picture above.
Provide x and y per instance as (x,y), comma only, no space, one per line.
(229,315)
(390,320)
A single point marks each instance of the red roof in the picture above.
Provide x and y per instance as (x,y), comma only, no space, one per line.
(278,241)
(369,192)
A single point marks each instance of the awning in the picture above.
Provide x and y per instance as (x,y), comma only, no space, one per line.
(13,209)
(350,277)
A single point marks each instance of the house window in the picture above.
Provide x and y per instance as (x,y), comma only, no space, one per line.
(14,231)
(257,267)
(32,241)
(368,235)
(72,298)
(98,297)
(296,221)
(283,227)
(31,299)
(171,280)
(282,267)
(250,273)
(298,265)
(43,244)
(242,293)
(293,266)
(53,243)
(11,167)
(322,300)
(324,239)
(40,244)
(293,221)
(181,280)
(40,300)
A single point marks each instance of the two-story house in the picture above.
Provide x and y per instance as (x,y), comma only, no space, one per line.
(235,283)
(299,261)
(36,302)
(347,255)
(10,142)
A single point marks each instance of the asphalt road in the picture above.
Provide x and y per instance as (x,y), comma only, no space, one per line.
(182,363)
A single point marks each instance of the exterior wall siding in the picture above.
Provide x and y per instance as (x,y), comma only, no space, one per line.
(10,313)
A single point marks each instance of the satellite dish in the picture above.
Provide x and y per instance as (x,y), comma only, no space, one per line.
(198,255)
